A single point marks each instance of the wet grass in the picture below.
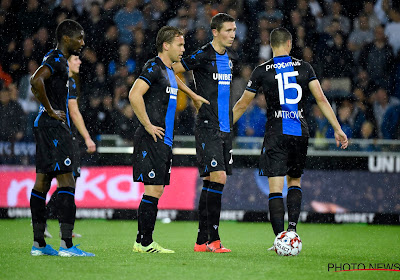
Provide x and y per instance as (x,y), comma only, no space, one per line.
(112,242)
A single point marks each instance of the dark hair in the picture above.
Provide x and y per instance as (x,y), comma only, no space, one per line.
(166,34)
(218,20)
(69,28)
(279,36)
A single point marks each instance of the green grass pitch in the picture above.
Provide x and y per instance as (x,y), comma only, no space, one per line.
(112,242)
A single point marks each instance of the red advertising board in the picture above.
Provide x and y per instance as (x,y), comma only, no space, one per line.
(103,187)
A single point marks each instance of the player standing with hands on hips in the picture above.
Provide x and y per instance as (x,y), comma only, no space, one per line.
(153,99)
(285,82)
(54,147)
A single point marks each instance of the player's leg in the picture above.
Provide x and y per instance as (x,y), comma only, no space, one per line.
(220,160)
(275,201)
(51,207)
(202,232)
(296,163)
(148,209)
(294,197)
(214,198)
(66,216)
(152,166)
(38,210)
(273,163)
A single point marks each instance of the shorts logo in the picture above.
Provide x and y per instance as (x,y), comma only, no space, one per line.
(231,160)
(67,162)
(152,174)
(249,83)
(214,163)
(144,153)
(78,169)
(203,145)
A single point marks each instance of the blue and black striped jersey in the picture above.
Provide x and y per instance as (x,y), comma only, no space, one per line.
(284,81)
(56,87)
(213,78)
(160,99)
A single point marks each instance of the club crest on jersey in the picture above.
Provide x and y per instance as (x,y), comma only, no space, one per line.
(173,92)
(67,162)
(152,174)
(214,163)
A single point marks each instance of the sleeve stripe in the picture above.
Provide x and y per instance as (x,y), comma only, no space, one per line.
(72,97)
(146,80)
(313,78)
(250,89)
(184,65)
(51,68)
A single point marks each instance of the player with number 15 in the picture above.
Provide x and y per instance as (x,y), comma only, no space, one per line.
(285,82)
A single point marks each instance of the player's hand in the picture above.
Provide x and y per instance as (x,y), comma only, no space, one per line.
(91,146)
(155,131)
(198,101)
(58,115)
(341,138)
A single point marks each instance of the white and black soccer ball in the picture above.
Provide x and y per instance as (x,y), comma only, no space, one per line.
(287,243)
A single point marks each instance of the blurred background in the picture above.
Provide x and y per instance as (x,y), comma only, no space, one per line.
(353,47)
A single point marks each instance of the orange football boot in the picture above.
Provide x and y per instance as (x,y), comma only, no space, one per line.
(216,247)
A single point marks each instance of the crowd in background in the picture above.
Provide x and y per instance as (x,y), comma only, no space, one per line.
(352,45)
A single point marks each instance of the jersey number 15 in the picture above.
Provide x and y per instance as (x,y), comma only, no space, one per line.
(284,84)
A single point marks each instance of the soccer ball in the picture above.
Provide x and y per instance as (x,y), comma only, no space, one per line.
(287,243)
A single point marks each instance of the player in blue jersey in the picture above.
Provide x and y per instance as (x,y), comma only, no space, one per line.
(212,71)
(77,125)
(54,149)
(285,82)
(153,98)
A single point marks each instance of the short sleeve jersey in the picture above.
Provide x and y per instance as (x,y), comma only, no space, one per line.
(56,87)
(73,94)
(212,74)
(160,99)
(284,81)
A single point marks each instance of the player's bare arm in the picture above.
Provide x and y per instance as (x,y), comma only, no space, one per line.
(136,93)
(78,121)
(39,90)
(242,104)
(326,109)
(198,101)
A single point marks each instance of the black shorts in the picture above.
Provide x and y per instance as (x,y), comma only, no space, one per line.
(283,155)
(151,160)
(54,149)
(76,162)
(213,150)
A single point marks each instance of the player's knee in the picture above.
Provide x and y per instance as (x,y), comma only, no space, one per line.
(218,177)
(66,181)
(42,184)
(293,181)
